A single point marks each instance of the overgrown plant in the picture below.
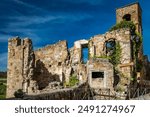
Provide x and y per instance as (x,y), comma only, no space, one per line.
(72,81)
(137,43)
(116,55)
(124,24)
(2,90)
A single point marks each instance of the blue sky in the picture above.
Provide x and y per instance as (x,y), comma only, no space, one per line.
(48,21)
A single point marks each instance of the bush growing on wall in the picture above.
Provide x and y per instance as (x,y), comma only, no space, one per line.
(123,24)
(72,81)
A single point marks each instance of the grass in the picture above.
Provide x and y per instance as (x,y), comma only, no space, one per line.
(2,97)
(2,78)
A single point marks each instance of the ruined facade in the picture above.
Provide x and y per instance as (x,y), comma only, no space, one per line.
(48,68)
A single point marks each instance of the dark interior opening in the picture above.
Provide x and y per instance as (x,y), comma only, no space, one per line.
(85,54)
(127,17)
(97,74)
(110,46)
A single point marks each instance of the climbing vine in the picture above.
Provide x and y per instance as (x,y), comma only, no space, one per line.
(116,55)
(137,43)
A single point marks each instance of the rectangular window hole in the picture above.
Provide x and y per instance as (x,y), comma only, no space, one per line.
(98,75)
(85,53)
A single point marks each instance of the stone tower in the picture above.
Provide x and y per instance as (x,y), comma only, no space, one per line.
(131,12)
(20,65)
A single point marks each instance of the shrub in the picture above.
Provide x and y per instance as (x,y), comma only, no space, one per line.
(123,24)
(72,81)
(19,93)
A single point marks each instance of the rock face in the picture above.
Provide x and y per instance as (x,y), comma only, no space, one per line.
(48,68)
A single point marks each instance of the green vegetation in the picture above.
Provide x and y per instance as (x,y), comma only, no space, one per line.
(72,81)
(19,93)
(123,24)
(116,55)
(2,97)
(2,90)
(137,41)
(3,80)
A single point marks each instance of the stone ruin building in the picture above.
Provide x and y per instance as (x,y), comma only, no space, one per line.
(46,69)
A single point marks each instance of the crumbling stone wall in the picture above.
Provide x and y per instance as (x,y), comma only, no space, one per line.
(97,47)
(37,70)
(47,68)
(51,64)
(81,92)
(77,51)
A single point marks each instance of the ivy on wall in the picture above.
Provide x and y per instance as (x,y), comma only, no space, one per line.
(123,24)
(137,43)
(116,55)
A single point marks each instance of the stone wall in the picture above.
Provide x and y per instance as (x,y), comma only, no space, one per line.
(145,74)
(97,47)
(51,64)
(77,51)
(101,65)
(81,92)
(36,71)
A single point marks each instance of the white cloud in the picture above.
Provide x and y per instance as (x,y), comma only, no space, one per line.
(27,5)
(21,21)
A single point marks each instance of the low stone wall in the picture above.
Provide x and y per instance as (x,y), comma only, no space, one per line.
(80,92)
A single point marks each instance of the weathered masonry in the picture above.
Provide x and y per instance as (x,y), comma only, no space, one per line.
(107,61)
